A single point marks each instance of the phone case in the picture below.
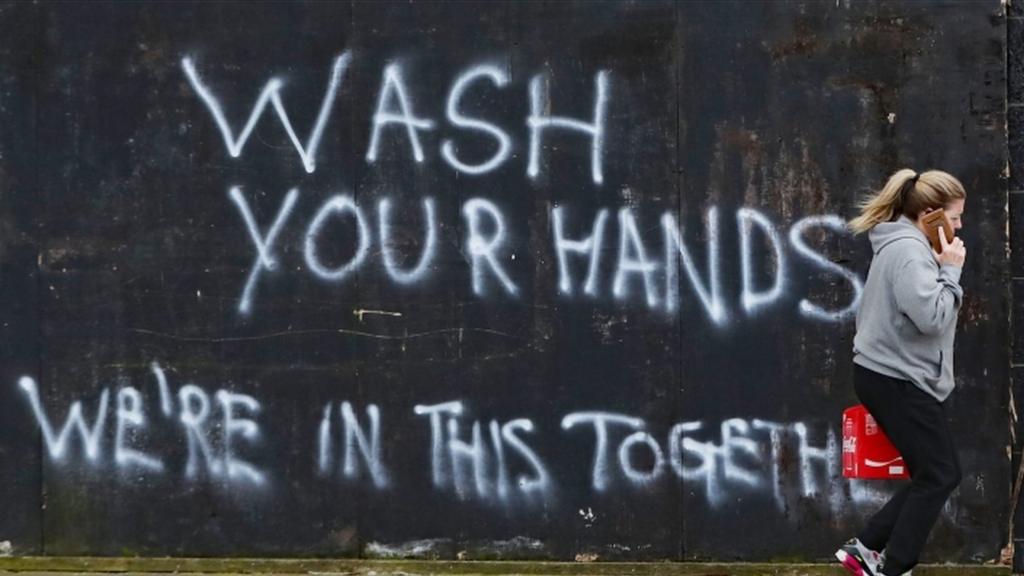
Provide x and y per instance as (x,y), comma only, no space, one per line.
(933,221)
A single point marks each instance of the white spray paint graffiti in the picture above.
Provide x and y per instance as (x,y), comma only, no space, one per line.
(600,420)
(370,449)
(483,459)
(244,427)
(57,444)
(482,250)
(469,469)
(336,205)
(540,121)
(635,475)
(357,446)
(271,93)
(747,457)
(394,84)
(195,408)
(264,256)
(590,245)
(538,483)
(714,460)
(753,300)
(429,245)
(807,308)
(486,248)
(473,459)
(324,441)
(394,109)
(633,260)
(211,446)
(166,403)
(811,456)
(499,78)
(470,455)
(775,439)
(129,414)
(438,473)
(710,296)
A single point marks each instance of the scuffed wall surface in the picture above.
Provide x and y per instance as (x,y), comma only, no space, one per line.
(555,280)
(1015,128)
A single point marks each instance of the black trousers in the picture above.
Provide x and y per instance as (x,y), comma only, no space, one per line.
(916,424)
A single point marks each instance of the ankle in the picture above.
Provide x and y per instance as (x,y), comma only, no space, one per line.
(870,545)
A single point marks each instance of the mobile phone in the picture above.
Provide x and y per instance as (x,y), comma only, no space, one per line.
(934,222)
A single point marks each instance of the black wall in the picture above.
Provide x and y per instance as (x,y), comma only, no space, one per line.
(123,256)
(1015,127)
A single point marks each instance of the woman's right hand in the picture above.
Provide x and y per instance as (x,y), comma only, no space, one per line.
(953,253)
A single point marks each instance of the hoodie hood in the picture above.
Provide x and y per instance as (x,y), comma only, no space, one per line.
(885,233)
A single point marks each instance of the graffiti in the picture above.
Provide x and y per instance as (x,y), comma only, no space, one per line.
(438,472)
(746,457)
(393,84)
(710,296)
(807,308)
(57,444)
(357,447)
(484,460)
(752,299)
(481,249)
(489,237)
(130,415)
(588,246)
(244,427)
(265,259)
(500,79)
(523,281)
(387,249)
(395,107)
(635,475)
(653,264)
(640,274)
(271,93)
(600,421)
(336,205)
(633,260)
(195,408)
(455,461)
(539,122)
(211,444)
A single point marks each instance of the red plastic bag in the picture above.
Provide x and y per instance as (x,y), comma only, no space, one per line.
(867,452)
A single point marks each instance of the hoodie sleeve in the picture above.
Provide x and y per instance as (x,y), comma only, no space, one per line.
(931,302)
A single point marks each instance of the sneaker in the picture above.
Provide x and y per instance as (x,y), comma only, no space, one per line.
(858,559)
(882,562)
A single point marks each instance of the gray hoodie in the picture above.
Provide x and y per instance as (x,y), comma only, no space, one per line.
(908,311)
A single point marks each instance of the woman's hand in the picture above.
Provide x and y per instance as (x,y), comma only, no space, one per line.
(953,253)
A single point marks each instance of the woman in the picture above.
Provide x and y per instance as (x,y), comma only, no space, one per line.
(903,360)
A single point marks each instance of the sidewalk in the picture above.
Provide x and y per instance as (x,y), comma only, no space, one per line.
(62,566)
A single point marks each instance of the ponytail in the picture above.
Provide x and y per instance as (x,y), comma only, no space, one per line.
(907,193)
(886,205)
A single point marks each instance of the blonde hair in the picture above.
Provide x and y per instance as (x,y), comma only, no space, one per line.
(907,193)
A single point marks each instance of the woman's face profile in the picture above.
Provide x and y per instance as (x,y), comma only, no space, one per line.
(955,211)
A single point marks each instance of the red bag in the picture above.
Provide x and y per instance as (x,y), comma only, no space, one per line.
(867,452)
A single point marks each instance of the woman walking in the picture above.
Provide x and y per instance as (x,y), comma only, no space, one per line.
(903,360)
